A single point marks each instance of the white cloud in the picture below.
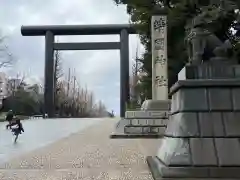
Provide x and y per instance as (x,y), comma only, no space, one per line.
(98,69)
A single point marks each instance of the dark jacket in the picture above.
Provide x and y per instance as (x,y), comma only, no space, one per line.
(19,128)
(9,116)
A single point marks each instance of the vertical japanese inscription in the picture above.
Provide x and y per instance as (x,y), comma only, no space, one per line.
(159,44)
(159,24)
(159,58)
(161,81)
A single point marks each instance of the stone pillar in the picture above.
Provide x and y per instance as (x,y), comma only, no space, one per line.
(159,58)
(202,139)
(49,105)
(152,120)
(159,101)
(124,71)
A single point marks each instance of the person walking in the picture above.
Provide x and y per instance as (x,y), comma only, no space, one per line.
(9,118)
(17,130)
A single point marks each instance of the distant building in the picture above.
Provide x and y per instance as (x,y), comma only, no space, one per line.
(3,85)
(13,84)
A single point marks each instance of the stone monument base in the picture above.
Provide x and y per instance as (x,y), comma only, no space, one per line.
(150,122)
(202,139)
(161,171)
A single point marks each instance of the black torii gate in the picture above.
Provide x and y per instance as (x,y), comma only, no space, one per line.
(50,31)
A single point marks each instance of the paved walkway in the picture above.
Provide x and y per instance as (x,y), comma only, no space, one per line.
(88,154)
(53,129)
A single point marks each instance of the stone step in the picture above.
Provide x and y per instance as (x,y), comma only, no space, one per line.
(156,105)
(136,136)
(146,114)
(147,122)
(144,129)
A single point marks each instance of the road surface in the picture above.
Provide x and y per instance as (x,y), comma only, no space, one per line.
(38,133)
(87,154)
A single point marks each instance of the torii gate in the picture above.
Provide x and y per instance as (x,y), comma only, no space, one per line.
(50,31)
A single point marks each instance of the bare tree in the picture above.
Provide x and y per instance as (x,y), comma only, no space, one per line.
(134,81)
(101,109)
(6,58)
(68,81)
(76,101)
(90,102)
(58,66)
(58,73)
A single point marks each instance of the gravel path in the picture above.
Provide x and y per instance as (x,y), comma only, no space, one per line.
(89,154)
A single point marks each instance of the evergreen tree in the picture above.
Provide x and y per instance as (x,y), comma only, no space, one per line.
(221,16)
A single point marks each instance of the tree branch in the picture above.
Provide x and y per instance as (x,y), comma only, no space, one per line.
(6,58)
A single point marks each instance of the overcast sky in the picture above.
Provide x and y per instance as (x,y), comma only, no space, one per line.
(99,70)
